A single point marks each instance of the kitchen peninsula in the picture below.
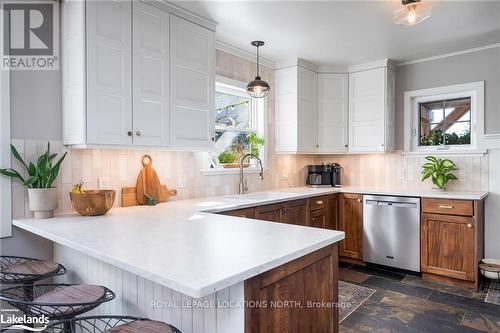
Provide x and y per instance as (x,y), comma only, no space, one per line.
(181,263)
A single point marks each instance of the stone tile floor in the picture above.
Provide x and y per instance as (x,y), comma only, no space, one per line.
(406,303)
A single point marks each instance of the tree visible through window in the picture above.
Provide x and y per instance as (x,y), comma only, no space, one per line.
(445,122)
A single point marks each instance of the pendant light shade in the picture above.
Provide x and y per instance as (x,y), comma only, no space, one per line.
(412,12)
(258,88)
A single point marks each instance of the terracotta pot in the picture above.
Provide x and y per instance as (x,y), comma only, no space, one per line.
(42,201)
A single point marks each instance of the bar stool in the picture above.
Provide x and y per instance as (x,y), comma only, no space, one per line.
(57,301)
(110,324)
(25,271)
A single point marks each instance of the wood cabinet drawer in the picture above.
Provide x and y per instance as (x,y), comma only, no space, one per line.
(319,203)
(448,207)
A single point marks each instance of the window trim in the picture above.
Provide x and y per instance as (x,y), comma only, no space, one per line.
(259,119)
(473,90)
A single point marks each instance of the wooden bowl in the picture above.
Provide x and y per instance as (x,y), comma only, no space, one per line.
(93,202)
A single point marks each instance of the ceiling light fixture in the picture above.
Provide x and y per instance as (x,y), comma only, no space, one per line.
(412,12)
(258,88)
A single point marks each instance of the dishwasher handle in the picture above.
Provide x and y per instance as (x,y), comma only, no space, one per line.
(391,204)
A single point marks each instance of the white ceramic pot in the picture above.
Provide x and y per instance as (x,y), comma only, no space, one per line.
(42,201)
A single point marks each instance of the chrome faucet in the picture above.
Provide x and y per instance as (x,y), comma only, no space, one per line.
(243,188)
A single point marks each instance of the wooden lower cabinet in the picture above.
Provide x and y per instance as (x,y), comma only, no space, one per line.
(245,212)
(447,245)
(300,296)
(320,219)
(296,212)
(273,213)
(351,222)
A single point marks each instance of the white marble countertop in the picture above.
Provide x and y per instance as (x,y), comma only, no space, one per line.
(184,246)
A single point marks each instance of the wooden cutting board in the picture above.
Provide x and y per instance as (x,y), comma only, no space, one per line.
(147,181)
(129,195)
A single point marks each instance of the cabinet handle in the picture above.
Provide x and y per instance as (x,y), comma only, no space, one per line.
(138,133)
(445,207)
(319,202)
(359,200)
(129,133)
(469,225)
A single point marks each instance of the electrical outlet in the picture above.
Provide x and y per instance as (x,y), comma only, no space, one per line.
(284,175)
(103,183)
(182,181)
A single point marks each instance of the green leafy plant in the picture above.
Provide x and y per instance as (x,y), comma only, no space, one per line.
(439,170)
(255,142)
(227,156)
(41,175)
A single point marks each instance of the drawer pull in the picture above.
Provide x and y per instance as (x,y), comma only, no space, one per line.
(469,225)
(445,207)
(319,202)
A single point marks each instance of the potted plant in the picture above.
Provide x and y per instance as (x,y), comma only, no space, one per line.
(255,142)
(439,170)
(40,177)
(229,159)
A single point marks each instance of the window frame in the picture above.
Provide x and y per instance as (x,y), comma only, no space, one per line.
(258,121)
(412,100)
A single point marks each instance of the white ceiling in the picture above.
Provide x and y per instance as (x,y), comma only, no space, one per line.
(350,32)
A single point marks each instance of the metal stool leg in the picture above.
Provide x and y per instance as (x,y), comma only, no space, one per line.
(28,290)
(69,327)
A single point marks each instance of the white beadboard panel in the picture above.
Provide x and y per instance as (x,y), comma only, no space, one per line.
(398,171)
(137,296)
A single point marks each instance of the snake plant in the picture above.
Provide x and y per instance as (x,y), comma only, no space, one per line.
(41,175)
(439,170)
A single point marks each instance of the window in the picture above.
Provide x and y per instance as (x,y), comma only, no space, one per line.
(239,126)
(444,118)
(445,122)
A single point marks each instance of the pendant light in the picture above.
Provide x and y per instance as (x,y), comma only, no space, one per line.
(258,88)
(412,12)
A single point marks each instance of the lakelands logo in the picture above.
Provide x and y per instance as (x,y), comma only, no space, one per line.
(30,33)
(26,323)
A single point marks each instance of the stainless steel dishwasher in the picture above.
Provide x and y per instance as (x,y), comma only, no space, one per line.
(391,229)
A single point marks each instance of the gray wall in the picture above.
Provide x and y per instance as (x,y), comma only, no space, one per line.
(35,100)
(476,66)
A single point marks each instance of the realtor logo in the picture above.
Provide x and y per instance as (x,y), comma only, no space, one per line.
(30,32)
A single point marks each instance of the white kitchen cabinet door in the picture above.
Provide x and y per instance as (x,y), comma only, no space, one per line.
(286,110)
(307,110)
(109,71)
(151,76)
(367,107)
(192,85)
(333,112)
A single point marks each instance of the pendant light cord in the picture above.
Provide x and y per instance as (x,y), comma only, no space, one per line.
(258,61)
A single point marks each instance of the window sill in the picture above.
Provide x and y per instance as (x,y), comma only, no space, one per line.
(229,171)
(449,152)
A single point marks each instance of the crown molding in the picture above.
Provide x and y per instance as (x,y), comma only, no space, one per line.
(297,62)
(228,48)
(183,13)
(447,55)
(372,65)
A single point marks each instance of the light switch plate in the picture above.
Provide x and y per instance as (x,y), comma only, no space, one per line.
(103,183)
(182,181)
(284,175)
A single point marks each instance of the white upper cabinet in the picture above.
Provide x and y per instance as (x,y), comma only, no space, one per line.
(192,84)
(109,72)
(135,74)
(371,110)
(151,75)
(296,110)
(333,111)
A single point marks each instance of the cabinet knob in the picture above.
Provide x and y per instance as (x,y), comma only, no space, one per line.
(359,200)
(381,145)
(469,225)
(138,133)
(317,146)
(129,133)
(346,146)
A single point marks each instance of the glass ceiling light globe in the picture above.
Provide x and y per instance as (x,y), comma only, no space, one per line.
(258,88)
(412,12)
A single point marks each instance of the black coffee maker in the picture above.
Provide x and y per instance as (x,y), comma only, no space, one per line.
(324,175)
